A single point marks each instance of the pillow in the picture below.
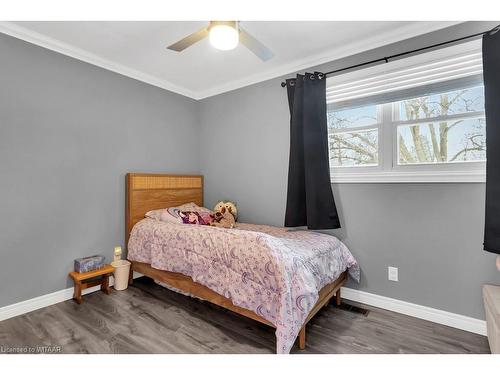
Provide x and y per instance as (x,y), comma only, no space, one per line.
(196,217)
(193,207)
(154,214)
(171,214)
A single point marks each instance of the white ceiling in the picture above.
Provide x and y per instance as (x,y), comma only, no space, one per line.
(138,49)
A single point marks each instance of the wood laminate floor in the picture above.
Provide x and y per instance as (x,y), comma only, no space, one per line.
(147,318)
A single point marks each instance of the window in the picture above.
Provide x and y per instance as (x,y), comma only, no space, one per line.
(417,123)
(441,128)
(353,136)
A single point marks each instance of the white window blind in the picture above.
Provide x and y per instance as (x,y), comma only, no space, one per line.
(444,69)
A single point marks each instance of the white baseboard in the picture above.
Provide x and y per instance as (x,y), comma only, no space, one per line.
(418,311)
(36,303)
(446,318)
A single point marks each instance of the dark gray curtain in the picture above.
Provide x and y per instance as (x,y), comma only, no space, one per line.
(309,198)
(491,73)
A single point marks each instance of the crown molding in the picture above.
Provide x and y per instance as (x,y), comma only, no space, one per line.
(44,41)
(412,30)
(380,40)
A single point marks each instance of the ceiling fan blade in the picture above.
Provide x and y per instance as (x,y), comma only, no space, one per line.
(255,46)
(189,40)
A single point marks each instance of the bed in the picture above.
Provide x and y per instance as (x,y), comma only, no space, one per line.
(276,276)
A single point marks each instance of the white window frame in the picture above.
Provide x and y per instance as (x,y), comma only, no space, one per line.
(389,171)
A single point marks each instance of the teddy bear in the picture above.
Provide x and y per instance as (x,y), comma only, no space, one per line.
(230,206)
(224,215)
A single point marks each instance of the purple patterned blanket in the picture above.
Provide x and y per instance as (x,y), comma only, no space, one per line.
(271,271)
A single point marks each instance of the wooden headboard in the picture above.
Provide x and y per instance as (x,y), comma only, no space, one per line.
(146,192)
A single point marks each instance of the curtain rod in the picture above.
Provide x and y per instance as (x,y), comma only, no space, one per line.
(386,59)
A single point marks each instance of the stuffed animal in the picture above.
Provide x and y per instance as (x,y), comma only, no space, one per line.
(230,206)
(224,215)
(223,219)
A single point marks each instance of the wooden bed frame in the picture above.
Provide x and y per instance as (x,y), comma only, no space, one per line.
(145,192)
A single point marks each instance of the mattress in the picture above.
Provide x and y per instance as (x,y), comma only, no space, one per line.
(275,272)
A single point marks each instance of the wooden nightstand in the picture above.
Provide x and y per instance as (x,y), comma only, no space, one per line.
(80,284)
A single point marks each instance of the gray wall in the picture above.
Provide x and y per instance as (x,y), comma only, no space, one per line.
(69,132)
(432,232)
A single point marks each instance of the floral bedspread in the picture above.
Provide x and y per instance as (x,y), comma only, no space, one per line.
(274,272)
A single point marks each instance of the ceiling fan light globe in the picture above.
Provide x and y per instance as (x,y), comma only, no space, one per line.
(223,37)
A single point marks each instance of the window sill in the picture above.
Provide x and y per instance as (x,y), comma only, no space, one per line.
(473,176)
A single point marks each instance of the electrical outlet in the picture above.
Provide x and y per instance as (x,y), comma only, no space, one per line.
(392,273)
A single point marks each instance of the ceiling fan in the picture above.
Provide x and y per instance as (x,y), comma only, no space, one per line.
(224,35)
